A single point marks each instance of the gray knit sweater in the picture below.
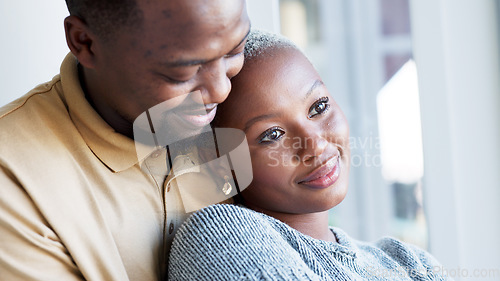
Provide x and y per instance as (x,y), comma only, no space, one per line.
(229,242)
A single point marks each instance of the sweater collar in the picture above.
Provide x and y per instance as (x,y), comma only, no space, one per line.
(345,243)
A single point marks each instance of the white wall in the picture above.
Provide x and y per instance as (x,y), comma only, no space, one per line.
(457,54)
(264,14)
(33,44)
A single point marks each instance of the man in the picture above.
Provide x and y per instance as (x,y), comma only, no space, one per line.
(77,199)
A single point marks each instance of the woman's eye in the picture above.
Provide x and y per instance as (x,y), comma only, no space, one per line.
(319,107)
(271,135)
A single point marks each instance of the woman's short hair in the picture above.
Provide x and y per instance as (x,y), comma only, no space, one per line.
(261,42)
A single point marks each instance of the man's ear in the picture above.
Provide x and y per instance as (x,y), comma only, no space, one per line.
(80,40)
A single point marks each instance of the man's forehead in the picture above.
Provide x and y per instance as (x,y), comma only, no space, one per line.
(190,19)
(191,10)
(189,39)
(179,62)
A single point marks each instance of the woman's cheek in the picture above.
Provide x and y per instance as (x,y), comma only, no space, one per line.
(266,163)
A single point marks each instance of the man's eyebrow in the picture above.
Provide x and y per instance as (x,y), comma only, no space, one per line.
(193,62)
(256,119)
(316,84)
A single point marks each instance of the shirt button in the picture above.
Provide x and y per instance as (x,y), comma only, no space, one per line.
(155,155)
(171,228)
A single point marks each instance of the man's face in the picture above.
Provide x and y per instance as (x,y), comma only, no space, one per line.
(181,47)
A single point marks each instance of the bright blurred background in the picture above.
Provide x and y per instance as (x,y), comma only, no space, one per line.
(419,83)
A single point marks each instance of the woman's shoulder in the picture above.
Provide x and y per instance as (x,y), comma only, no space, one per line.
(224,241)
(390,255)
(404,252)
(230,225)
(224,211)
(223,217)
(390,246)
(410,255)
(226,226)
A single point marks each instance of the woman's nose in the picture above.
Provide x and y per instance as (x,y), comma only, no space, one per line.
(314,145)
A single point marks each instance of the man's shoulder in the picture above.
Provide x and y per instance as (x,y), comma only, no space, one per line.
(30,114)
(34,125)
(43,99)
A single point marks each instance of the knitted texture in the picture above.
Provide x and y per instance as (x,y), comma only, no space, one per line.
(229,242)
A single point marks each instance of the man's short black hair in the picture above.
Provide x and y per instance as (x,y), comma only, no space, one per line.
(105,17)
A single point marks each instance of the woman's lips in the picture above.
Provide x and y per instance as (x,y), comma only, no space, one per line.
(323,176)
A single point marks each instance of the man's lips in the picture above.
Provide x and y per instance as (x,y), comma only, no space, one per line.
(198,117)
(323,176)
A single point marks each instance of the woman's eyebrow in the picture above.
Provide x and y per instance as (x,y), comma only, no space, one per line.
(316,84)
(256,119)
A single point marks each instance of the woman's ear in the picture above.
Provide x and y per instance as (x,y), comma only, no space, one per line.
(80,40)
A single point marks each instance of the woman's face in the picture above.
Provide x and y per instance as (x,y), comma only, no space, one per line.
(297,134)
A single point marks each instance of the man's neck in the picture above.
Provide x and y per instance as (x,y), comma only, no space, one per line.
(107,113)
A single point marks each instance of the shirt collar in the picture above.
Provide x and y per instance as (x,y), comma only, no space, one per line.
(118,152)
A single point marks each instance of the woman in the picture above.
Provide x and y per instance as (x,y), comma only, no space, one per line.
(298,140)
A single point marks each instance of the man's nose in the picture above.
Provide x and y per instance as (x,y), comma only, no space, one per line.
(216,81)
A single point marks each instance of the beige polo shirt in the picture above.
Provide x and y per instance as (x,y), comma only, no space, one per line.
(76,202)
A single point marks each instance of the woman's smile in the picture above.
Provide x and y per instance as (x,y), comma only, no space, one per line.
(323,176)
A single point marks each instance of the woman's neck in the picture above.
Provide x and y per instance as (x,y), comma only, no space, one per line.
(314,225)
